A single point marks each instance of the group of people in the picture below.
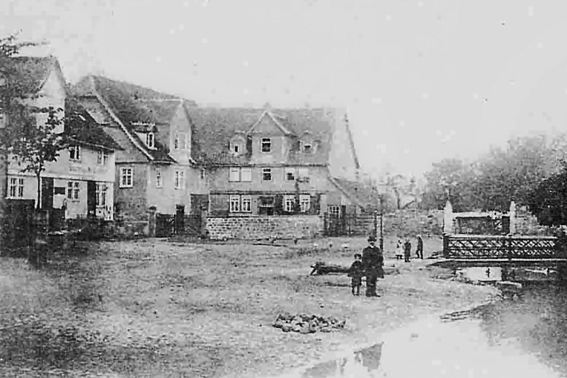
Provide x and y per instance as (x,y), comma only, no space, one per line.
(403,249)
(370,264)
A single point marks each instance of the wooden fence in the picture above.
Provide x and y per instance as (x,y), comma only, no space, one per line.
(501,247)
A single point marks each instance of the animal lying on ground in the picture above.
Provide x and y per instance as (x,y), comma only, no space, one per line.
(321,267)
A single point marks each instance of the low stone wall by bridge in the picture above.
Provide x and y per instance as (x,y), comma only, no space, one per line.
(282,227)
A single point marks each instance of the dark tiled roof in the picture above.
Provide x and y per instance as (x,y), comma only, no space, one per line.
(29,72)
(133,105)
(214,127)
(81,127)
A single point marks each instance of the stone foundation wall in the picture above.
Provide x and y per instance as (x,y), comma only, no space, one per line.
(282,227)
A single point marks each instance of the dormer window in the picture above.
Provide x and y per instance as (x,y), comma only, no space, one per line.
(150,140)
(307,148)
(266,145)
(237,144)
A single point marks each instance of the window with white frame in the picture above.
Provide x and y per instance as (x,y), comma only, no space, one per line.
(289,203)
(334,210)
(289,174)
(102,157)
(266,174)
(234,204)
(240,204)
(16,188)
(246,174)
(75,152)
(234,174)
(266,145)
(179,180)
(73,188)
(180,141)
(305,202)
(158,177)
(101,190)
(150,140)
(126,177)
(246,204)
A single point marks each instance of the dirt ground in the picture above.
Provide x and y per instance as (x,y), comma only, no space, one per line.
(159,308)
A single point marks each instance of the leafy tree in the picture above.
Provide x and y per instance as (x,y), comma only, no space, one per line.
(25,135)
(548,201)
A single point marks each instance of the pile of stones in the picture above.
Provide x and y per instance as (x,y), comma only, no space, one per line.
(305,324)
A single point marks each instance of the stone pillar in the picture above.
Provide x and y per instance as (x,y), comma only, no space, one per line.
(513,221)
(448,218)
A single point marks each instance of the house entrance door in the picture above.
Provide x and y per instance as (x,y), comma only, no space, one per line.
(91,198)
(47,193)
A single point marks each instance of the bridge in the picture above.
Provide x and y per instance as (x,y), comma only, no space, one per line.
(502,251)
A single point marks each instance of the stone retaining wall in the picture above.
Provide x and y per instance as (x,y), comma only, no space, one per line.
(282,227)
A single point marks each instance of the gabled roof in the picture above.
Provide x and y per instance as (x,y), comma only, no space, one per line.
(134,105)
(82,128)
(214,127)
(29,73)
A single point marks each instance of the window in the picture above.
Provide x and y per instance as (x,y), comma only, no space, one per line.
(75,152)
(101,189)
(246,204)
(266,206)
(266,145)
(2,119)
(180,142)
(289,203)
(267,174)
(234,174)
(16,187)
(150,140)
(307,147)
(334,210)
(290,174)
(158,177)
(246,174)
(179,180)
(102,157)
(236,148)
(305,202)
(73,190)
(126,177)
(202,174)
(234,204)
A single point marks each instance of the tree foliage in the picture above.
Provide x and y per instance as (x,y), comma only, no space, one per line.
(548,201)
(495,179)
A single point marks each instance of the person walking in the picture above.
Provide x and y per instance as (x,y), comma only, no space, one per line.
(419,249)
(372,263)
(407,250)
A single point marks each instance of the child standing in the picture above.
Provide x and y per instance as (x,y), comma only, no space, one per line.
(356,272)
(399,250)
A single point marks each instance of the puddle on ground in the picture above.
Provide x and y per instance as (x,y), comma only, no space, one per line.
(507,339)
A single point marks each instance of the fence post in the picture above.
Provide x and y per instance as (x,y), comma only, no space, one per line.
(445,245)
(509,247)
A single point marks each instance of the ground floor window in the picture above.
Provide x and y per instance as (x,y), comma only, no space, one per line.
(73,190)
(240,204)
(16,188)
(266,206)
(289,204)
(334,210)
(305,203)
(101,189)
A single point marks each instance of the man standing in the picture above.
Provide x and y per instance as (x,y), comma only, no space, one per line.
(407,250)
(372,263)
(419,249)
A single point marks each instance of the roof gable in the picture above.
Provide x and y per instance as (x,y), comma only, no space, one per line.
(268,124)
(28,74)
(215,127)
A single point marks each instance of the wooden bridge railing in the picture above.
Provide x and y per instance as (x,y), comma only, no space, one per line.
(500,247)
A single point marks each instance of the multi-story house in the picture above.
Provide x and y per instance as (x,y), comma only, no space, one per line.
(275,161)
(81,179)
(155,170)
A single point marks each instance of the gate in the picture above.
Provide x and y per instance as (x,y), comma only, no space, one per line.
(165,225)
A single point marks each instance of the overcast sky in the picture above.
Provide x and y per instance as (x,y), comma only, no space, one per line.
(422,80)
